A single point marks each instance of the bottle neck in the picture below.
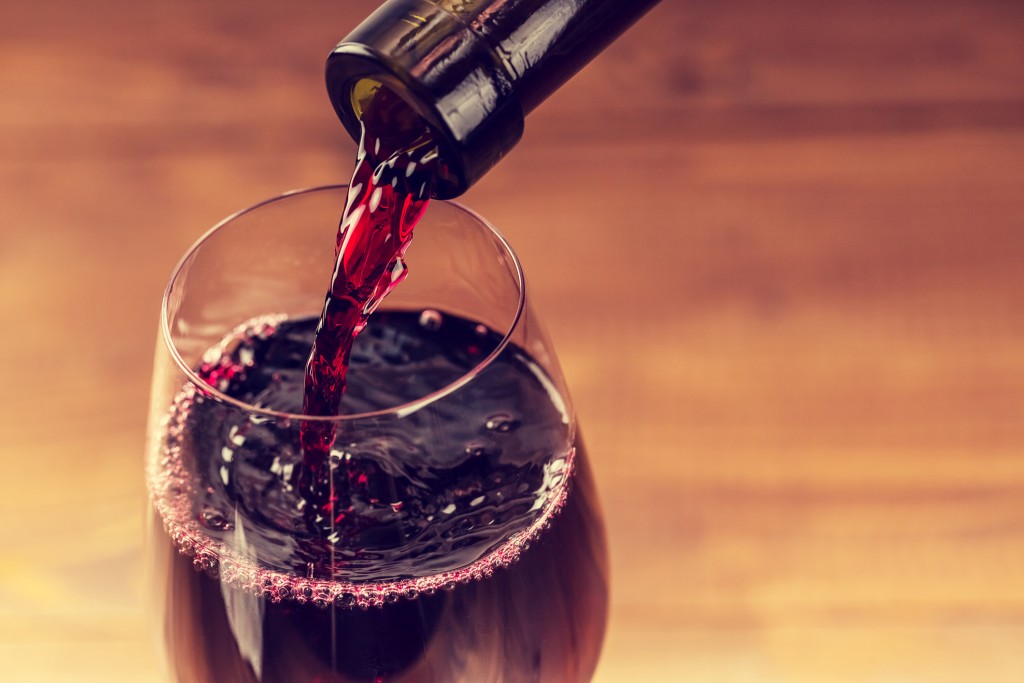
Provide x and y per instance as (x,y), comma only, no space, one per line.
(472,69)
(544,43)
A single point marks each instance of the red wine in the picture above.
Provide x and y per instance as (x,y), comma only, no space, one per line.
(472,550)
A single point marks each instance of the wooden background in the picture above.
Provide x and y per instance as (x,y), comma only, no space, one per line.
(780,248)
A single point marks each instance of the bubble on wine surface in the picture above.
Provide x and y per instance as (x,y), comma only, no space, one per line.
(502,423)
(431,320)
(213,518)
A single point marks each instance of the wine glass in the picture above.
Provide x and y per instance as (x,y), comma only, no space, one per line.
(463,541)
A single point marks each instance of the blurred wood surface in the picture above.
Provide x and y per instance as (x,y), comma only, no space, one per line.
(779,247)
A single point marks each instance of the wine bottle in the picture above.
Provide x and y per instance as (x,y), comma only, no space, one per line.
(472,70)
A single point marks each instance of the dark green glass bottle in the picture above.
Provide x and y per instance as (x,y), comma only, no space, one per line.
(473,70)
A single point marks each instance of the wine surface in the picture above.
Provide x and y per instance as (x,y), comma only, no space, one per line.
(436,496)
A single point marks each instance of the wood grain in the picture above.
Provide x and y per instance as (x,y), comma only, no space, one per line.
(779,249)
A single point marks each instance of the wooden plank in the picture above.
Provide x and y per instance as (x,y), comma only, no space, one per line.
(806,429)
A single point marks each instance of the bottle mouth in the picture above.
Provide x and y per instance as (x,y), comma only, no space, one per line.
(449,179)
(444,72)
(178,285)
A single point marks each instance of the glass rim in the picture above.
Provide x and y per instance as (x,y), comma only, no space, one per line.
(398,411)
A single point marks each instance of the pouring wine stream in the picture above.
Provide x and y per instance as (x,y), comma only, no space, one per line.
(391,187)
